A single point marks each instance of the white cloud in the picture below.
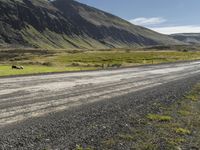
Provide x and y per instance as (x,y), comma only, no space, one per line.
(178,29)
(148,21)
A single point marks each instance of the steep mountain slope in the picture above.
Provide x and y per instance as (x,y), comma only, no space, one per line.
(69,24)
(192,38)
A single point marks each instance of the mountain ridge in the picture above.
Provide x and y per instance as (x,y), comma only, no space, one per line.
(191,38)
(70,24)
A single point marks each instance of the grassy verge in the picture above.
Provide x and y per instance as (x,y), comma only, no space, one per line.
(40,61)
(175,127)
(5,70)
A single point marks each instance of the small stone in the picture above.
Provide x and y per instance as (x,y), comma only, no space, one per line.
(47,140)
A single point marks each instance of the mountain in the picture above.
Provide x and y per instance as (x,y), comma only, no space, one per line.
(69,24)
(191,38)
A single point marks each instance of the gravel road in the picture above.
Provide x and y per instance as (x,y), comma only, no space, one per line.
(62,110)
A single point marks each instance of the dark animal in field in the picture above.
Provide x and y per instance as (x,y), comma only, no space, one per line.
(17,67)
(116,65)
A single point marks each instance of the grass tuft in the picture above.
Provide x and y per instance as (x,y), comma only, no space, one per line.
(182,131)
(192,97)
(109,142)
(184,112)
(161,118)
(78,147)
(127,137)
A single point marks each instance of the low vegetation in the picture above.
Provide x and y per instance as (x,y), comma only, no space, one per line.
(78,147)
(42,61)
(6,70)
(182,131)
(156,117)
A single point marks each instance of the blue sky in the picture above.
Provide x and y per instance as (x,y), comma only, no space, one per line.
(165,16)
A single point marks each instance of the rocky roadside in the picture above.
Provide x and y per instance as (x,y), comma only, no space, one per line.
(109,124)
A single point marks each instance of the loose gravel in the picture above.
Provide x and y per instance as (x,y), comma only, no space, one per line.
(90,124)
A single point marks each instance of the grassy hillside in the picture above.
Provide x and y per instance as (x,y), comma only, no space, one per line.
(67,24)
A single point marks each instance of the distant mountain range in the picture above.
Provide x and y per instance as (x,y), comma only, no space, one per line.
(69,24)
(191,38)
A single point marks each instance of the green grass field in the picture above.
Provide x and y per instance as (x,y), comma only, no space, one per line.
(5,70)
(42,62)
(125,58)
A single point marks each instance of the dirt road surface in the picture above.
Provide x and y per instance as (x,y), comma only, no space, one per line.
(31,97)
